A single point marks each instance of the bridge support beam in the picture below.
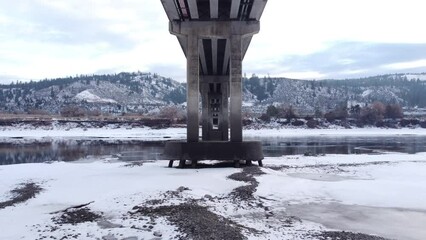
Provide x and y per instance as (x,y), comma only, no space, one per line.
(192,88)
(236,90)
(215,29)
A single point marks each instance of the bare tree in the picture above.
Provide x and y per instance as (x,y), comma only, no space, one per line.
(393,111)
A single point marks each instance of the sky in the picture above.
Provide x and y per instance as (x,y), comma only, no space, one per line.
(305,39)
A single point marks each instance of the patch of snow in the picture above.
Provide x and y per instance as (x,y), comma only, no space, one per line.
(115,189)
(366,93)
(86,95)
(332,132)
(248,104)
(350,192)
(113,131)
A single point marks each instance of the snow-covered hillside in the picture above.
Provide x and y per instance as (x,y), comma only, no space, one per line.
(142,92)
(112,93)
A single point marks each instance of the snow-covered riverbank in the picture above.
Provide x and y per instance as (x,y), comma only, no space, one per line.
(149,134)
(292,197)
(297,197)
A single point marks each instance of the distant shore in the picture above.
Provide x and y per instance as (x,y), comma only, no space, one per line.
(24,133)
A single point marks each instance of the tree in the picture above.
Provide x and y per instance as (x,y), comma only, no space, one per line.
(287,112)
(355,111)
(272,111)
(393,111)
(176,96)
(370,116)
(379,107)
(339,113)
(52,93)
(265,117)
(318,113)
(72,111)
(172,112)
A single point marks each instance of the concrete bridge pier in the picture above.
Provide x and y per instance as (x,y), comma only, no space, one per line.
(236,59)
(192,94)
(214,39)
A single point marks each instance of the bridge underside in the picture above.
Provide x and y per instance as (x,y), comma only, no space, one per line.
(214,52)
(214,36)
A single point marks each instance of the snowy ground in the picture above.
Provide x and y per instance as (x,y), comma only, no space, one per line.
(298,197)
(145,133)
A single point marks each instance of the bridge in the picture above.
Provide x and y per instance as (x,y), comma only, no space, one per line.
(214,36)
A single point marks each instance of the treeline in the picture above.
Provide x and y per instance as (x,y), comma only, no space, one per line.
(376,114)
(123,78)
(411,91)
(262,88)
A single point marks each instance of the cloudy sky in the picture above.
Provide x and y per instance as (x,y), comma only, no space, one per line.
(308,39)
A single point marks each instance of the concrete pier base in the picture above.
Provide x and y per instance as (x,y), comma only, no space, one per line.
(213,150)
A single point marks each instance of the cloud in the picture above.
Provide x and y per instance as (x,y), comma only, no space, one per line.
(121,24)
(45,39)
(349,59)
(174,70)
(330,38)
(7,79)
(407,65)
(336,38)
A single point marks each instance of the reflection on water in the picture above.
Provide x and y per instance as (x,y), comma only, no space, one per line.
(274,147)
(128,150)
(71,150)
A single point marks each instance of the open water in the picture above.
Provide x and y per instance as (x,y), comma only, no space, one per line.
(16,152)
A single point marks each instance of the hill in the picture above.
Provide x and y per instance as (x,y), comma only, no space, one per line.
(144,92)
(407,90)
(114,93)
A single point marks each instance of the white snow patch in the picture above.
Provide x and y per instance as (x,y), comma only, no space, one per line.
(86,95)
(298,132)
(149,134)
(248,104)
(111,132)
(115,189)
(351,192)
(366,93)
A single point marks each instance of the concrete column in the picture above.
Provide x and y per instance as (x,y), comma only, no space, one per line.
(235,89)
(225,110)
(192,92)
(204,87)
